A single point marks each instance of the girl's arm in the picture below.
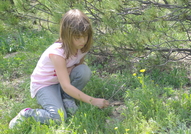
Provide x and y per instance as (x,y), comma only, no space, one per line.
(63,77)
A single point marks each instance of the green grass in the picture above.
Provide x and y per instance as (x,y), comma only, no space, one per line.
(156,102)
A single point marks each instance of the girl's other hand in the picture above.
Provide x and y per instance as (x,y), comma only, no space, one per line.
(70,69)
(101,103)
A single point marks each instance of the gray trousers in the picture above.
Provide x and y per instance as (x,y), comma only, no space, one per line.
(51,97)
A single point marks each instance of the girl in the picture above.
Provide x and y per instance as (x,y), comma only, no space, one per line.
(60,74)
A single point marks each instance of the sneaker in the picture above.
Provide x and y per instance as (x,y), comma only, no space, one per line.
(18,119)
(70,105)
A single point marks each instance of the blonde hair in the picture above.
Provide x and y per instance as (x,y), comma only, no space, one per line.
(75,24)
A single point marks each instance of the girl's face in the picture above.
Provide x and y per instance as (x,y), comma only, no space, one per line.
(79,42)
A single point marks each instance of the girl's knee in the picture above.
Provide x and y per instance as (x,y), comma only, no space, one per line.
(85,70)
(81,71)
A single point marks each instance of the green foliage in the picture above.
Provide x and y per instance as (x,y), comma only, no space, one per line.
(28,46)
(145,99)
(156,109)
(151,107)
(175,77)
(157,100)
(87,114)
(119,26)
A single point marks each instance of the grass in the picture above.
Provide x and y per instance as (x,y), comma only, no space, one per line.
(156,102)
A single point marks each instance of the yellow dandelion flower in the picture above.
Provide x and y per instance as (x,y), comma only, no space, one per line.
(127,130)
(85,131)
(139,77)
(116,128)
(134,74)
(142,70)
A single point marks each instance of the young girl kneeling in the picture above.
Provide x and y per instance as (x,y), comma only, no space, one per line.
(60,74)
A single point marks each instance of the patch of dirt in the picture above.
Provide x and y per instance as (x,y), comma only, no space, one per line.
(15,82)
(117,114)
(13,88)
(10,55)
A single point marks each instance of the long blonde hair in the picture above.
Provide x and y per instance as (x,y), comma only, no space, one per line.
(75,24)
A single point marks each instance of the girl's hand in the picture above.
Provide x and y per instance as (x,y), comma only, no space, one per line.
(101,103)
(70,69)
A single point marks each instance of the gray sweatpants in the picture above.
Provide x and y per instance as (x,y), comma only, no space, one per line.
(50,98)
